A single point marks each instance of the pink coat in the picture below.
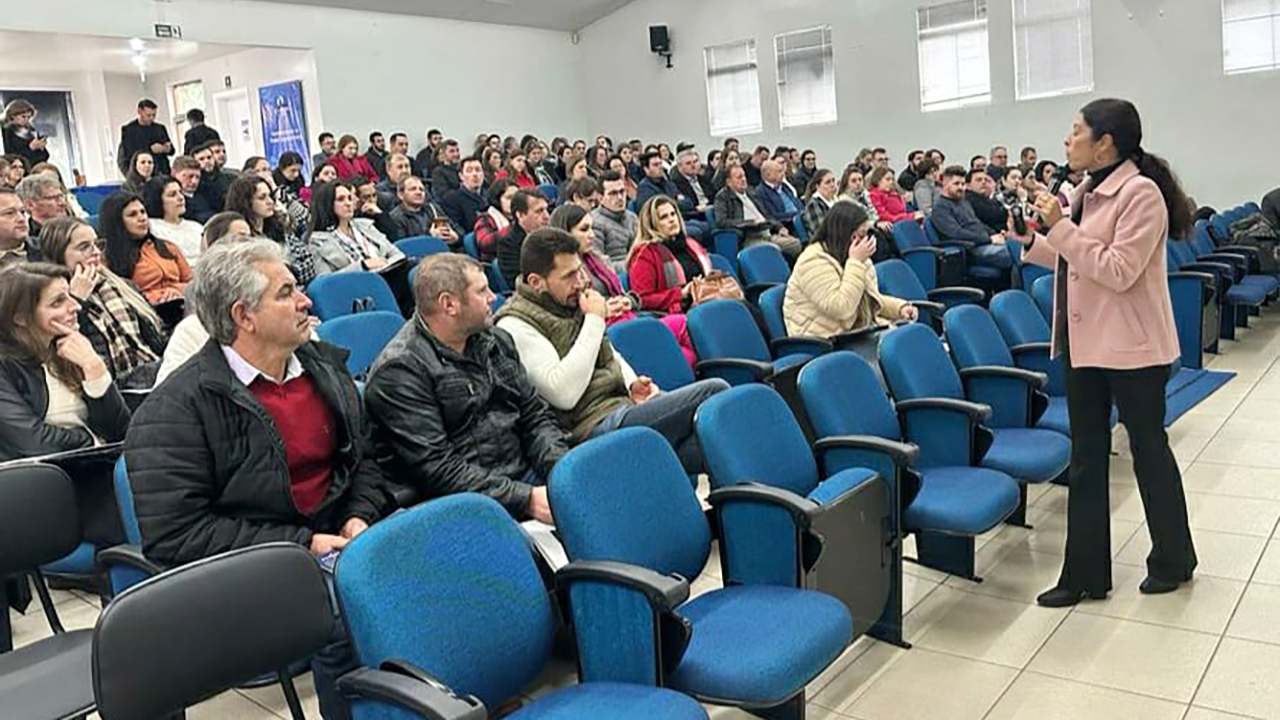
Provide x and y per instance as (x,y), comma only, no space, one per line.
(1117,283)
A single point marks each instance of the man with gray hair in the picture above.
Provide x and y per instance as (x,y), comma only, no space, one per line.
(45,200)
(258,438)
(451,407)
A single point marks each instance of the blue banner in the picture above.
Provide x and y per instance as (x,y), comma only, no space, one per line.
(284,123)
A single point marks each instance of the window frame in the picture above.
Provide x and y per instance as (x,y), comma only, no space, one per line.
(1085,9)
(827,51)
(1274,16)
(923,34)
(752,65)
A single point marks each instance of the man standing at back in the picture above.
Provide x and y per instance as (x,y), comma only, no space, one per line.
(452,408)
(198,133)
(145,135)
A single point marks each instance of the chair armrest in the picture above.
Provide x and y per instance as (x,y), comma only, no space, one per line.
(405,686)
(664,592)
(1247,251)
(977,411)
(800,344)
(1029,348)
(1218,270)
(1234,258)
(929,306)
(930,250)
(1036,380)
(128,556)
(902,454)
(719,367)
(801,510)
(1203,277)
(960,292)
(965,244)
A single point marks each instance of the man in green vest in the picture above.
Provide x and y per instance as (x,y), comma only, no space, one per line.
(558,324)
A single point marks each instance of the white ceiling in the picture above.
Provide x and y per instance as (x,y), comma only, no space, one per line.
(45,52)
(566,15)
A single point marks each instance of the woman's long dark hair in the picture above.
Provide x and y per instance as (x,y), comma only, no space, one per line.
(21,286)
(497,189)
(287,160)
(1120,120)
(818,176)
(837,228)
(567,216)
(240,199)
(134,178)
(322,196)
(123,250)
(153,195)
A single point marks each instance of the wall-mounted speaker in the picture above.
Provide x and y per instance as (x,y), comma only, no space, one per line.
(659,42)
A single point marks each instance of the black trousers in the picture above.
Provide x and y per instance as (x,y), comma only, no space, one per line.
(1140,397)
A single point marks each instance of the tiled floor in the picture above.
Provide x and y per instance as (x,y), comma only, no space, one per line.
(1208,652)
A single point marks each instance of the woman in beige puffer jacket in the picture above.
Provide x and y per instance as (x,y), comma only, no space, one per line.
(833,288)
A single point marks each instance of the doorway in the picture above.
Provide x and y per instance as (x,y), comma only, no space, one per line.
(56,120)
(235,118)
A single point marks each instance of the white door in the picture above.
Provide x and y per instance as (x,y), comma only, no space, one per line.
(235,123)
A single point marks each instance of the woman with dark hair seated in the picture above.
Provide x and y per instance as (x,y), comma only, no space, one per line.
(166,206)
(121,326)
(833,288)
(492,224)
(250,196)
(156,266)
(141,167)
(319,176)
(343,242)
(56,393)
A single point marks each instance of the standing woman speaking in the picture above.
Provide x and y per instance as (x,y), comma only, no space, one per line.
(1113,325)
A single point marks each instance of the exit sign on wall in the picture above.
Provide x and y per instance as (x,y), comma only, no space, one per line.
(168,31)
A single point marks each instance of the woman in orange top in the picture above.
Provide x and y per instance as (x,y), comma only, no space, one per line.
(156,266)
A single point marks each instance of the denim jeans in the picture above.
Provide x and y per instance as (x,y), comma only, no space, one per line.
(671,414)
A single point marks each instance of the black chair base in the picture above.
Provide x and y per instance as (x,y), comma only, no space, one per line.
(951,554)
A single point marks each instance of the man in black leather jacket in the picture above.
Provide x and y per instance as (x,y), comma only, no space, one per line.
(451,406)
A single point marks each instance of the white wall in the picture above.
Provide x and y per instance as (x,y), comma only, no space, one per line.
(89,98)
(1165,55)
(373,71)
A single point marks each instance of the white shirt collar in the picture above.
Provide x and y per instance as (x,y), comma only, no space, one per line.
(247,373)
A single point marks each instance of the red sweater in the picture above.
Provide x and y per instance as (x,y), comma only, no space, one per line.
(648,280)
(307,428)
(890,205)
(348,169)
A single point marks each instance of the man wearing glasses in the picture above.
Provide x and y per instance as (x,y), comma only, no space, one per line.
(614,225)
(43,197)
(15,235)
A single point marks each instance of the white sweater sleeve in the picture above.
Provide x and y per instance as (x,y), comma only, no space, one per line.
(560,381)
(187,339)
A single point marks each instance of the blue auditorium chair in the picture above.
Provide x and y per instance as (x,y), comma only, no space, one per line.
(725,242)
(551,193)
(748,434)
(466,621)
(724,265)
(650,349)
(1237,300)
(730,346)
(470,245)
(363,335)
(419,246)
(761,267)
(895,278)
(753,645)
(934,266)
(771,302)
(975,271)
(346,293)
(1244,258)
(493,274)
(946,499)
(1005,400)
(1025,273)
(1042,293)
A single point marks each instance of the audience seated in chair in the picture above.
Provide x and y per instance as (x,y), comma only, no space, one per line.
(157,267)
(833,289)
(889,204)
(446,175)
(415,215)
(529,210)
(494,223)
(377,155)
(259,438)
(343,242)
(737,208)
(118,321)
(466,202)
(689,181)
(980,192)
(664,261)
(350,163)
(398,167)
(927,189)
(780,205)
(44,199)
(251,197)
(583,192)
(166,206)
(656,183)
(820,195)
(955,219)
(451,407)
(558,325)
(614,225)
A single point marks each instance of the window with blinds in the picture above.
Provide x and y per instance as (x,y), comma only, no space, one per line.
(955,63)
(1052,47)
(1250,35)
(806,77)
(733,88)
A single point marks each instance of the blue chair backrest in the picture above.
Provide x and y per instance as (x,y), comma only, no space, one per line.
(1183,253)
(364,335)
(725,329)
(908,235)
(763,263)
(634,207)
(916,365)
(770,302)
(711,217)
(624,496)
(451,587)
(802,233)
(1221,227)
(1201,240)
(93,220)
(974,338)
(721,263)
(650,349)
(420,246)
(843,396)
(748,434)
(90,201)
(1251,208)
(931,232)
(470,245)
(551,193)
(497,283)
(1042,292)
(1018,318)
(124,502)
(346,293)
(896,278)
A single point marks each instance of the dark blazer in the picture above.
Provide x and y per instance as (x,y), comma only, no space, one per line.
(15,144)
(135,138)
(462,208)
(731,215)
(24,400)
(197,136)
(769,201)
(509,247)
(686,188)
(650,187)
(445,179)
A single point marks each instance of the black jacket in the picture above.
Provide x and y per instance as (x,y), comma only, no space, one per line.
(989,210)
(462,208)
(378,160)
(208,468)
(731,215)
(686,188)
(509,247)
(24,400)
(135,138)
(409,223)
(445,179)
(197,136)
(425,163)
(444,423)
(213,191)
(15,144)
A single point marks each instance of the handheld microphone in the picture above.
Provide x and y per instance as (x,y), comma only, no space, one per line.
(1059,178)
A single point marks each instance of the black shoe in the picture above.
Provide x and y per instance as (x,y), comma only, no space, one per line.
(1156,586)
(1066,597)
